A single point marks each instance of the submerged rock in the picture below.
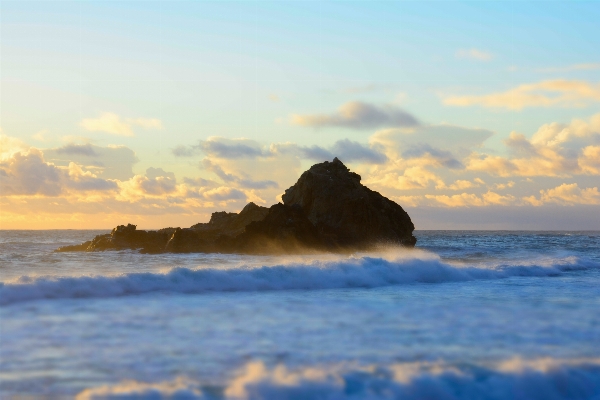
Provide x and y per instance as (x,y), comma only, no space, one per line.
(328,209)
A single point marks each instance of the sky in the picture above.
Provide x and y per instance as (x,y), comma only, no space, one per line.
(470,115)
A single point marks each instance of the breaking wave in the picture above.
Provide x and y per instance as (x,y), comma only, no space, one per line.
(364,272)
(542,379)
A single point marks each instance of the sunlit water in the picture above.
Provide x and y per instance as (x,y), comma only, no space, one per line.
(466,315)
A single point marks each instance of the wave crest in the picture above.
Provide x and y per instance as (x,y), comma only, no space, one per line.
(543,379)
(365,272)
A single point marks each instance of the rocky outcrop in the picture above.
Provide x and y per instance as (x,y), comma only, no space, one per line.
(185,241)
(125,237)
(215,235)
(285,229)
(346,211)
(328,209)
(232,224)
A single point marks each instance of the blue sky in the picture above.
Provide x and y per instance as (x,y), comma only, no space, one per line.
(120,106)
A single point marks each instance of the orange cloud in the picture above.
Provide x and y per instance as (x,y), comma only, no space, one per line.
(566,194)
(558,150)
(461,185)
(560,93)
(470,199)
(589,161)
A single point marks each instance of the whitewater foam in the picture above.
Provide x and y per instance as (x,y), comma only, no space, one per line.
(363,272)
(544,379)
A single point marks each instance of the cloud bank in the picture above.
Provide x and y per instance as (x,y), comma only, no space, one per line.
(435,166)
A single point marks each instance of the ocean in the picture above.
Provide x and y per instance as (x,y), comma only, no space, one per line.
(464,315)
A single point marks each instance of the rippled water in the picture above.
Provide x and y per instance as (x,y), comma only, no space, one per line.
(496,315)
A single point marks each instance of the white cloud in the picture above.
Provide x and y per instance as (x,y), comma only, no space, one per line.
(502,186)
(554,150)
(551,93)
(27,181)
(566,194)
(470,199)
(556,134)
(109,123)
(112,162)
(408,201)
(412,160)
(407,178)
(447,144)
(10,145)
(462,184)
(113,124)
(589,161)
(28,174)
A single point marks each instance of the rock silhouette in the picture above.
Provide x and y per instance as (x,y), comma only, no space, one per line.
(328,209)
(346,211)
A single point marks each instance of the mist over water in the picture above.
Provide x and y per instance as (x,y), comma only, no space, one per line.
(490,315)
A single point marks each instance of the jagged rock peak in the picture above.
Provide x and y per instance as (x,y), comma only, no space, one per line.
(335,201)
(335,169)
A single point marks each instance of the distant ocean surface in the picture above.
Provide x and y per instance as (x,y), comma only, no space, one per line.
(465,315)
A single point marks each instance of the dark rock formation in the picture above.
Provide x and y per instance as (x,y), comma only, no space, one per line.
(349,213)
(126,237)
(215,235)
(76,247)
(328,209)
(185,241)
(232,224)
(284,229)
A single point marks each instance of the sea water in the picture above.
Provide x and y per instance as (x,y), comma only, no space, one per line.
(464,315)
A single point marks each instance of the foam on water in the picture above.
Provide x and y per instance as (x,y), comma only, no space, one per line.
(543,379)
(361,272)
